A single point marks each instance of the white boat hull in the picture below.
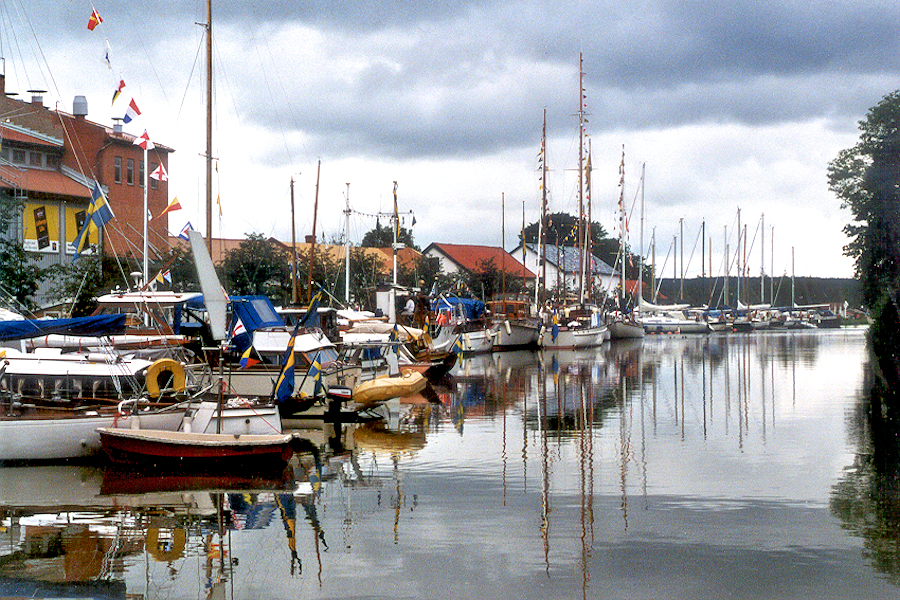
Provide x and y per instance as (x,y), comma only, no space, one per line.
(73,437)
(574,338)
(512,334)
(625,330)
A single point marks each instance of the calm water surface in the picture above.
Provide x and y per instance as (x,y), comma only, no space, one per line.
(719,466)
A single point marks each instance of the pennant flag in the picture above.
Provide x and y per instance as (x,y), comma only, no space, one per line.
(167,276)
(94,20)
(173,206)
(132,112)
(184,231)
(118,91)
(98,214)
(396,213)
(312,312)
(219,203)
(159,174)
(247,360)
(284,386)
(144,141)
(106,52)
(315,371)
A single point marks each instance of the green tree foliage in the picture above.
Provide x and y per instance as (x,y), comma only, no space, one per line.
(383,237)
(257,266)
(562,230)
(18,277)
(866,179)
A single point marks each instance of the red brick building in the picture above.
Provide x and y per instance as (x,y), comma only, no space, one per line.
(49,161)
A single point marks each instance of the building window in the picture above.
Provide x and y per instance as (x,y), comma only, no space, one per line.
(117,170)
(4,153)
(18,156)
(141,174)
(52,161)
(36,159)
(129,172)
(154,184)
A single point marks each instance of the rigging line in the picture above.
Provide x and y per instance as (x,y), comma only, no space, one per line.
(187,85)
(693,250)
(140,36)
(220,64)
(287,148)
(14,29)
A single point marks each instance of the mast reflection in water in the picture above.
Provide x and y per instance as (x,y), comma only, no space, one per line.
(745,466)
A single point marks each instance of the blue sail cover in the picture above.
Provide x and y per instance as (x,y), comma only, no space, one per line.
(96,326)
(472,309)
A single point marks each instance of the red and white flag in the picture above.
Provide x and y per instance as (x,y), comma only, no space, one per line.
(159,174)
(144,142)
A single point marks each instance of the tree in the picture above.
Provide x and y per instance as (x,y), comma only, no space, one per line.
(18,277)
(257,266)
(866,179)
(383,237)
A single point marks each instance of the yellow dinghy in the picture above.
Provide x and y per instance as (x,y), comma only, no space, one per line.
(376,391)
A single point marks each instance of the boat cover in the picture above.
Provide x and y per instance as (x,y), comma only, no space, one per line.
(473,309)
(99,325)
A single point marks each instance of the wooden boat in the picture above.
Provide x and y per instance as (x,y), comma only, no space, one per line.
(188,449)
(374,392)
(574,337)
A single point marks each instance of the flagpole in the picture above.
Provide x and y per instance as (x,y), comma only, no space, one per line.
(146,186)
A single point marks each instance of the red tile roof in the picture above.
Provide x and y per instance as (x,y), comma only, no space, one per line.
(38,180)
(470,258)
(12,135)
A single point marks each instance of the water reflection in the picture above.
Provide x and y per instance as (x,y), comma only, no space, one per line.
(703,467)
(867,496)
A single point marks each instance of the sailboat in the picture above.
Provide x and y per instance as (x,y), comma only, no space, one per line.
(577,326)
(623,324)
(213,443)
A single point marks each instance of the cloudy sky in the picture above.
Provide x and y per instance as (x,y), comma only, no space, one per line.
(729,105)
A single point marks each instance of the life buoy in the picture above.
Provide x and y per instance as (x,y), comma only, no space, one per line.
(170,550)
(151,378)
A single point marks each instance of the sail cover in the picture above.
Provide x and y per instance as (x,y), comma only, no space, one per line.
(99,325)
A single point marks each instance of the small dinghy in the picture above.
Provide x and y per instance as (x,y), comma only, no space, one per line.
(375,391)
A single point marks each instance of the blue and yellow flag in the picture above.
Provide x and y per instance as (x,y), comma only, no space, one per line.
(457,346)
(98,214)
(394,339)
(315,371)
(312,311)
(555,329)
(426,335)
(284,386)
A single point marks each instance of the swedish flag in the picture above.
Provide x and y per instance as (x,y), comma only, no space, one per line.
(555,329)
(284,386)
(315,371)
(312,312)
(457,346)
(426,335)
(394,339)
(98,214)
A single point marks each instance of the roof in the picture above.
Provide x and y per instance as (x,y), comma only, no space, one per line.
(470,258)
(566,258)
(39,180)
(14,133)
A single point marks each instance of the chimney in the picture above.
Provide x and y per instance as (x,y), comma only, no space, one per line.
(79,107)
(117,125)
(37,96)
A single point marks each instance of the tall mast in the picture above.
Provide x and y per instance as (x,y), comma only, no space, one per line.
(146,184)
(542,229)
(347,249)
(503,248)
(312,247)
(762,260)
(640,282)
(293,248)
(622,227)
(581,175)
(209,108)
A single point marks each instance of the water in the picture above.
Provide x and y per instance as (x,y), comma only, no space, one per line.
(722,466)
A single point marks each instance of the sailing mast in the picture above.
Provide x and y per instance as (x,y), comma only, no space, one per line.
(209,108)
(293,248)
(581,175)
(503,249)
(312,247)
(539,290)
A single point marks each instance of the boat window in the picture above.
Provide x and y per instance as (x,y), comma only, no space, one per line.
(265,310)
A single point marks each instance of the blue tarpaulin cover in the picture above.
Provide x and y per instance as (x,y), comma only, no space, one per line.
(473,309)
(92,326)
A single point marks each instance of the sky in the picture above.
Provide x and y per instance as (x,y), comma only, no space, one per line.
(725,106)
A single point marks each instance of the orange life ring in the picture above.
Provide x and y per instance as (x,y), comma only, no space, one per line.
(151,377)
